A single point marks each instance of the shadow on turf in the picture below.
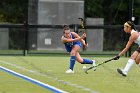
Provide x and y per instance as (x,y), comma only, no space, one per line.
(128,79)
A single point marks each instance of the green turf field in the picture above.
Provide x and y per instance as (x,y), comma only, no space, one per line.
(51,70)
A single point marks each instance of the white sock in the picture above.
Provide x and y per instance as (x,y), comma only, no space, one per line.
(94,62)
(128,65)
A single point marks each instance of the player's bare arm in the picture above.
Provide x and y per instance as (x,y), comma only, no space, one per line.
(129,43)
(81,40)
(77,38)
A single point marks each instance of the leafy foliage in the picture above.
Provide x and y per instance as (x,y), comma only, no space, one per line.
(13,11)
(113,11)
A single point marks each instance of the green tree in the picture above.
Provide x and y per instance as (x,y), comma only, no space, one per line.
(113,11)
(13,11)
(93,8)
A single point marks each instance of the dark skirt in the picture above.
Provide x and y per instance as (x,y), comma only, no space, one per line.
(138,49)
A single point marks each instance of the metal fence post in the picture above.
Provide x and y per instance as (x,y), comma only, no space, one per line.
(25,52)
(76,28)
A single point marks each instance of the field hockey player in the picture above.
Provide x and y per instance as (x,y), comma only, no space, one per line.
(72,42)
(129,27)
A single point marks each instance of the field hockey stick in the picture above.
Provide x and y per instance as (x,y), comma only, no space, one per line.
(83,27)
(98,65)
(82,24)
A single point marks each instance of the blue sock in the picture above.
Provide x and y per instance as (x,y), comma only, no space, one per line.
(87,61)
(72,62)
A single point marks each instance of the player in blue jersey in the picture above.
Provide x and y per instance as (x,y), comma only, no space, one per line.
(72,42)
(129,27)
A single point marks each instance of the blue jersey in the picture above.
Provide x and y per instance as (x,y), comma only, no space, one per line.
(69,45)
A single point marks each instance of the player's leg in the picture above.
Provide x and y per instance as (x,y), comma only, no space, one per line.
(138,60)
(129,64)
(73,52)
(138,57)
(85,60)
(79,58)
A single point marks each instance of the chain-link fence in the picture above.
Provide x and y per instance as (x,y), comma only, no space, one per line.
(45,39)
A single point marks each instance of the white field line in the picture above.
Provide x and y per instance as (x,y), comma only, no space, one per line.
(34,81)
(51,77)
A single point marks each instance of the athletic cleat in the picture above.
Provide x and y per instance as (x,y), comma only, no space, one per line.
(69,71)
(120,71)
(94,64)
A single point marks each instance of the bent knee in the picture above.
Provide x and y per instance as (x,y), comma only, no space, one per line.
(137,61)
(72,53)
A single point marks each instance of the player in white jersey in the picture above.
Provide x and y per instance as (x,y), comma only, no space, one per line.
(129,27)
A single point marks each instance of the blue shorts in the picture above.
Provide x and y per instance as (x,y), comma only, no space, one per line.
(68,48)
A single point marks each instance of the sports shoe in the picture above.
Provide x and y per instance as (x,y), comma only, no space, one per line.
(120,71)
(94,64)
(69,71)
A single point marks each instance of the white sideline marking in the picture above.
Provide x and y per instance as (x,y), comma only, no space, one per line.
(39,83)
(50,77)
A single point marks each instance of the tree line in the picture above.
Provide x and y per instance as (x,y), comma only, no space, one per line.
(113,11)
